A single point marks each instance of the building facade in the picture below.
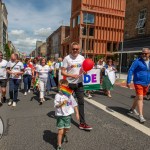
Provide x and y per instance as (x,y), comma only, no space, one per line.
(137,30)
(98,25)
(38,44)
(11,47)
(42,50)
(54,41)
(3,26)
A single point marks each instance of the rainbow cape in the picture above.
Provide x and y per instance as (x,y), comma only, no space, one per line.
(66,91)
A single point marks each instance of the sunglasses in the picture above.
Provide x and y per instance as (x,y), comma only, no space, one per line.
(1,55)
(75,49)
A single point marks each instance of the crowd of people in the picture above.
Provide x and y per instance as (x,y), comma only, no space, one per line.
(42,75)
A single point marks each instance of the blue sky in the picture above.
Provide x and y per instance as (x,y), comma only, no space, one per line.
(31,20)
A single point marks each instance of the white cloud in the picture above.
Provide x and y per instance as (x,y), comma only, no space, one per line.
(17,32)
(43,32)
(26,24)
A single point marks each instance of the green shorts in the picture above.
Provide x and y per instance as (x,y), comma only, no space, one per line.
(63,122)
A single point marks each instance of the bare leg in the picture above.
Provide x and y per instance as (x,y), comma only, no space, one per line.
(60,135)
(3,92)
(140,105)
(135,103)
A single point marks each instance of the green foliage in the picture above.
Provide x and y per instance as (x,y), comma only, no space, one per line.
(7,52)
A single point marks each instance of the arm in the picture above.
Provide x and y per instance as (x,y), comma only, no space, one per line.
(131,71)
(64,73)
(77,113)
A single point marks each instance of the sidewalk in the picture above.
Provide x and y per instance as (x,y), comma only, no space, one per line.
(121,80)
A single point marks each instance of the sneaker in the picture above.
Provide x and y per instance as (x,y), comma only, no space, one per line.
(41,101)
(10,102)
(29,91)
(25,93)
(4,99)
(14,104)
(133,111)
(89,96)
(59,148)
(142,119)
(65,139)
(84,126)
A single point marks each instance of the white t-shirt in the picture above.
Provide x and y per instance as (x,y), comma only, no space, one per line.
(58,65)
(73,66)
(28,71)
(17,68)
(43,71)
(3,66)
(147,63)
(66,109)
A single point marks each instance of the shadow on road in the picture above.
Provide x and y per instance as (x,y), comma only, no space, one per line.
(50,137)
(123,111)
(51,114)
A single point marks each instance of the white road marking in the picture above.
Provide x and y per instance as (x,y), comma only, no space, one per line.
(121,117)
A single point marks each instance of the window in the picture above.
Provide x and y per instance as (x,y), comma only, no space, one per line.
(142,19)
(84,31)
(73,24)
(78,19)
(88,18)
(109,45)
(91,32)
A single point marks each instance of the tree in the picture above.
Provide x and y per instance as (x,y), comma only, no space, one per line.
(7,52)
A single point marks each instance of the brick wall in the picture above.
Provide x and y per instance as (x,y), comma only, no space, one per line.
(133,7)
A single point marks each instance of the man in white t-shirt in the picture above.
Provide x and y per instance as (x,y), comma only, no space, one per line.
(3,78)
(72,69)
(15,68)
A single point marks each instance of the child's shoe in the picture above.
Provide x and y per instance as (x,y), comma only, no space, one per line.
(59,148)
(65,139)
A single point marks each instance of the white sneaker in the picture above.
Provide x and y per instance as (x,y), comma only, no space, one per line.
(133,111)
(14,104)
(89,96)
(25,93)
(29,91)
(10,102)
(142,119)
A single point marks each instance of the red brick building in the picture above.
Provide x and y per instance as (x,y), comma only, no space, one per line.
(98,25)
(137,30)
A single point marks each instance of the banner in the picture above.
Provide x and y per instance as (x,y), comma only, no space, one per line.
(91,80)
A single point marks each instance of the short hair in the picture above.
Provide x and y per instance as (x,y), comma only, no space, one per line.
(63,81)
(27,59)
(146,48)
(74,43)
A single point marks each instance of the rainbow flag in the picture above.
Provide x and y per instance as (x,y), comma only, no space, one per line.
(66,91)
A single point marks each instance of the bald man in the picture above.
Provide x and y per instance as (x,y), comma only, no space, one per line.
(140,69)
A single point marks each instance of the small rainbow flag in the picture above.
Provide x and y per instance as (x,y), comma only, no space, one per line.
(66,91)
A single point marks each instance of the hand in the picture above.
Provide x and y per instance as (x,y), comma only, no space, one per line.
(77,117)
(64,102)
(75,76)
(129,85)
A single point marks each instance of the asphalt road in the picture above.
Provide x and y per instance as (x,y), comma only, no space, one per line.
(33,127)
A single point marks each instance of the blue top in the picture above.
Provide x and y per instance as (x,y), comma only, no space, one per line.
(140,72)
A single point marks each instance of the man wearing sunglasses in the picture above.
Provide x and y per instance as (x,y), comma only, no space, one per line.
(140,69)
(3,78)
(72,69)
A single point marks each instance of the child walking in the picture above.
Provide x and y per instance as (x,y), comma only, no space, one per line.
(65,105)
